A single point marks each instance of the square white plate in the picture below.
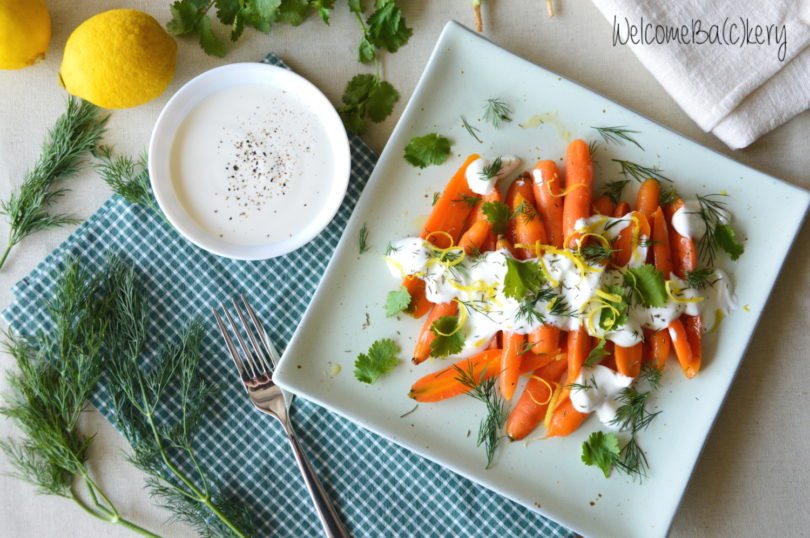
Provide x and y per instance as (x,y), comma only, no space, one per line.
(347,312)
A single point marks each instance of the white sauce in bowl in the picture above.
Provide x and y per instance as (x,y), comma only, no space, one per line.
(247,164)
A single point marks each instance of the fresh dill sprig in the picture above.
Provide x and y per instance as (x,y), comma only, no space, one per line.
(526,310)
(593,146)
(617,135)
(597,253)
(473,131)
(561,308)
(492,169)
(713,214)
(484,391)
(632,416)
(58,371)
(699,278)
(613,190)
(436,196)
(651,375)
(362,239)
(159,409)
(128,178)
(525,347)
(525,211)
(390,249)
(632,461)
(469,201)
(667,196)
(497,111)
(74,135)
(639,172)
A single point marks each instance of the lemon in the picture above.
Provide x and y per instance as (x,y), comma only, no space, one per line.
(25,31)
(118,59)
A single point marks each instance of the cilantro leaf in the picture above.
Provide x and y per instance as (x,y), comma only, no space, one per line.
(724,235)
(497,213)
(380,359)
(425,150)
(648,285)
(596,354)
(386,27)
(210,43)
(366,51)
(601,449)
(397,301)
(611,319)
(227,10)
(356,6)
(323,7)
(366,95)
(522,278)
(184,17)
(293,11)
(449,337)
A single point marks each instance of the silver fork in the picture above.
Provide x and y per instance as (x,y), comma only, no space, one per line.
(256,373)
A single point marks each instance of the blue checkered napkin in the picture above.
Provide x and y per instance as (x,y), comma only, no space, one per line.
(380,488)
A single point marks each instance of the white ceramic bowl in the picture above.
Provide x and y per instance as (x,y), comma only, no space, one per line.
(243,74)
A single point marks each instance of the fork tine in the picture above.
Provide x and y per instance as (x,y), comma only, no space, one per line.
(255,372)
(229,343)
(265,340)
(261,358)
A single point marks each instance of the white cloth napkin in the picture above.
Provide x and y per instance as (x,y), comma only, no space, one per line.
(738,92)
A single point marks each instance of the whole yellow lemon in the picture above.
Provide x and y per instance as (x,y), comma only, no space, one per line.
(118,59)
(25,31)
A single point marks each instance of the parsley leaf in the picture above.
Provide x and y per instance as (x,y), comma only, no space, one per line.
(522,278)
(601,449)
(497,213)
(724,235)
(597,354)
(386,27)
(648,285)
(425,150)
(380,359)
(449,338)
(397,301)
(366,95)
(611,319)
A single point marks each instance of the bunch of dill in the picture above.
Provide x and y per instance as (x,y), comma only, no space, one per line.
(75,134)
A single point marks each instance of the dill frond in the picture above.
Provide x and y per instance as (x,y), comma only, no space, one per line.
(618,135)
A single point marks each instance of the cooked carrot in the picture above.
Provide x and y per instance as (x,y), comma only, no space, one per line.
(622,209)
(549,201)
(604,206)
(694,333)
(526,227)
(475,236)
(647,199)
(545,339)
(662,254)
(628,359)
(578,188)
(489,244)
(629,238)
(451,209)
(532,405)
(684,254)
(521,185)
(419,304)
(444,383)
(503,243)
(680,341)
(478,213)
(510,363)
(426,337)
(579,345)
(565,420)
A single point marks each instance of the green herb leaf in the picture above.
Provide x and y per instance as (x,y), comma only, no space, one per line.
(596,354)
(423,151)
(648,285)
(484,391)
(473,131)
(356,6)
(639,172)
(387,28)
(449,337)
(602,450)
(362,239)
(617,135)
(185,15)
(610,319)
(397,301)
(522,278)
(497,112)
(726,240)
(366,95)
(210,43)
(497,213)
(613,190)
(380,359)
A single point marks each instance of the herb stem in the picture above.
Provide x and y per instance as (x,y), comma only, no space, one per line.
(106,515)
(5,254)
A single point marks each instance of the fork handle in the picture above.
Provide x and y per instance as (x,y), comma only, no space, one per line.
(332,526)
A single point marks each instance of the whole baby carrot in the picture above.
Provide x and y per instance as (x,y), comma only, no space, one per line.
(604,206)
(647,199)
(426,336)
(565,420)
(532,405)
(450,212)
(578,189)
(510,363)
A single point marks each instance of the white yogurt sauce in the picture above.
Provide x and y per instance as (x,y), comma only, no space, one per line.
(688,222)
(246,164)
(478,286)
(597,388)
(478,181)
